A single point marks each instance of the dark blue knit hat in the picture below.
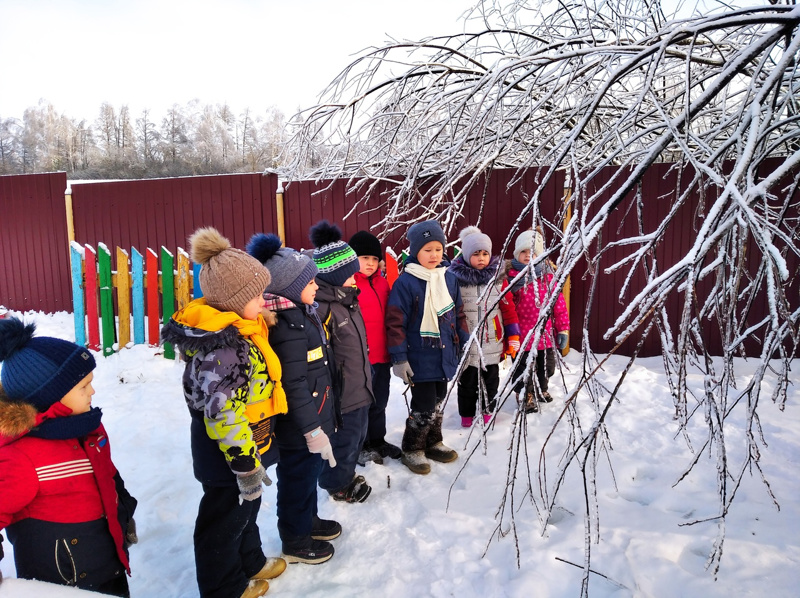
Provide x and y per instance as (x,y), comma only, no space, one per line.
(290,271)
(39,370)
(422,233)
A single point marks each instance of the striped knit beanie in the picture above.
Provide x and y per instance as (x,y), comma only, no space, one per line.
(39,370)
(335,259)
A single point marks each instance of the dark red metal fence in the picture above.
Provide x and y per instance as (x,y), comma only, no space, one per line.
(306,202)
(164,212)
(34,253)
(34,267)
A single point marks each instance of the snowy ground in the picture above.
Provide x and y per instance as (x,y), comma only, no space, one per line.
(406,541)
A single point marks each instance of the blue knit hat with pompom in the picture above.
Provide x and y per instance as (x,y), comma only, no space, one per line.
(39,370)
(290,270)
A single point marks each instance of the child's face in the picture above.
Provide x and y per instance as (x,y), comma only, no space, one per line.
(79,399)
(350,282)
(369,264)
(524,256)
(309,292)
(480,259)
(430,255)
(253,308)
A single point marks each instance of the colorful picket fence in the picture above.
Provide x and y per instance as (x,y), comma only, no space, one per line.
(146,295)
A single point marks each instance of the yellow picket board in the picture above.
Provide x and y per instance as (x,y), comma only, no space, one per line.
(183,284)
(123,298)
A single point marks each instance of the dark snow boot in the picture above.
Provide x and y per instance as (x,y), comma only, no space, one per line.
(435,449)
(325,529)
(369,452)
(387,449)
(414,442)
(531,404)
(356,491)
(309,551)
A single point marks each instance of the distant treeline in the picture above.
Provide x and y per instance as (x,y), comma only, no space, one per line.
(190,139)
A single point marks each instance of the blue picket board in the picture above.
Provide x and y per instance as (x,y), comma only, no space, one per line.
(197,293)
(137,296)
(78,306)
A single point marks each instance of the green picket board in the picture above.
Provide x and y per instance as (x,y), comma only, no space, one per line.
(167,294)
(106,299)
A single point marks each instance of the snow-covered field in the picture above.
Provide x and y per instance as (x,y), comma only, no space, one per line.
(406,541)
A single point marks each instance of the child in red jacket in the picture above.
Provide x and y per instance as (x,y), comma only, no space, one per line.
(62,502)
(373,298)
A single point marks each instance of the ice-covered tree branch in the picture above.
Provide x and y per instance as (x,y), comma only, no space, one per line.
(580,86)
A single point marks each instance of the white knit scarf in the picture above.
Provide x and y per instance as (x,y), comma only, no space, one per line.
(437,298)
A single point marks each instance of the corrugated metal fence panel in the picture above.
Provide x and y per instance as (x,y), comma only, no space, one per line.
(307,202)
(164,212)
(608,305)
(34,265)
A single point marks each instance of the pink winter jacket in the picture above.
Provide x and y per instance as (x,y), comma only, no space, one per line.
(527,301)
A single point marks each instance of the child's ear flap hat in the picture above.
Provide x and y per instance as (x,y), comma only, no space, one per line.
(39,370)
(335,259)
(422,233)
(229,278)
(290,271)
(472,240)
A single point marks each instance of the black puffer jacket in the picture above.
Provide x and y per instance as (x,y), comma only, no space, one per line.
(341,314)
(305,362)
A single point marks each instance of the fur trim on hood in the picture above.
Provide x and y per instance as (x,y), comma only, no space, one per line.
(16,418)
(468,276)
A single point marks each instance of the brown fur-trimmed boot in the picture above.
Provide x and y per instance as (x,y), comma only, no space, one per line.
(414,443)
(435,449)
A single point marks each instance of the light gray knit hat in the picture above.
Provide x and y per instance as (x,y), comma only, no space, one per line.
(472,240)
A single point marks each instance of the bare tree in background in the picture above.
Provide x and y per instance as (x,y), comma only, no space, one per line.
(579,86)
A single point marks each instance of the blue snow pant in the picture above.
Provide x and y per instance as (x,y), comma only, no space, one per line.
(346,442)
(297,473)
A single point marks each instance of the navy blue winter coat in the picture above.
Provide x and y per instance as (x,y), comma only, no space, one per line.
(306,364)
(430,362)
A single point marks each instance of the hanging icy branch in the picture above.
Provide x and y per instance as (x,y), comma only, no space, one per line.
(579,87)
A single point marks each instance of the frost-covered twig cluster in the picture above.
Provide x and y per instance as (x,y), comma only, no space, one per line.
(579,86)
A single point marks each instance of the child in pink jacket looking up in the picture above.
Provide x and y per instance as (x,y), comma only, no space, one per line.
(530,293)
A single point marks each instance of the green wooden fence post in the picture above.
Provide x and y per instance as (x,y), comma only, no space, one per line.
(167,294)
(106,299)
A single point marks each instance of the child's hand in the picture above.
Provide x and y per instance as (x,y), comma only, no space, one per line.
(562,340)
(318,442)
(513,345)
(402,370)
(250,483)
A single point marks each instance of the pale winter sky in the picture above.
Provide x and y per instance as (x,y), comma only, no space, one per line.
(151,54)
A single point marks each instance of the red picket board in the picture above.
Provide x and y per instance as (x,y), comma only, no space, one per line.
(92,316)
(392,271)
(153,319)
